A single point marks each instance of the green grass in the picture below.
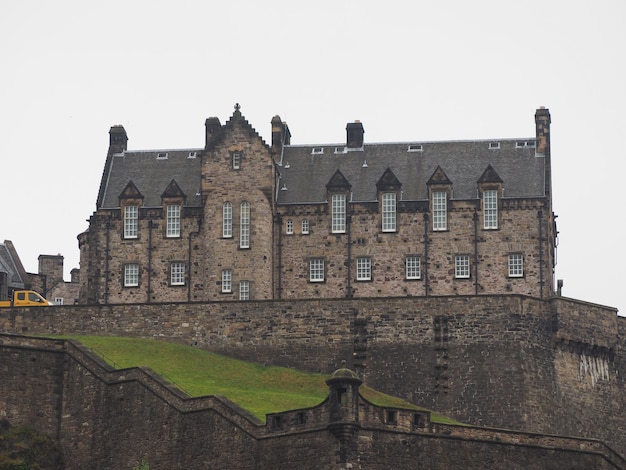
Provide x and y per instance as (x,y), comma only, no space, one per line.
(258,389)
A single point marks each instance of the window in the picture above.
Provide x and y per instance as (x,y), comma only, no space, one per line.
(317,150)
(461,266)
(58,301)
(389,212)
(177,274)
(305,226)
(162,156)
(415,148)
(316,270)
(244,290)
(131,275)
(244,226)
(440,210)
(290,227)
(494,145)
(236,160)
(363,269)
(131,214)
(516,265)
(173,221)
(490,209)
(413,267)
(227,220)
(338,213)
(227,281)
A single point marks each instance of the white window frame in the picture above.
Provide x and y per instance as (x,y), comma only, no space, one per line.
(462,266)
(244,290)
(58,301)
(227,220)
(440,210)
(131,275)
(173,221)
(389,212)
(177,274)
(289,227)
(364,268)
(227,281)
(236,160)
(305,226)
(131,221)
(316,270)
(490,209)
(338,213)
(244,225)
(413,267)
(516,265)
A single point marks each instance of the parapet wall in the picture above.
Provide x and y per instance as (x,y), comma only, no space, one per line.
(514,362)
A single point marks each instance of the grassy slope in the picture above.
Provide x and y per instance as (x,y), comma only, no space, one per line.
(252,386)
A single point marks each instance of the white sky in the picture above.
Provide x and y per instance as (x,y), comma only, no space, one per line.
(422,70)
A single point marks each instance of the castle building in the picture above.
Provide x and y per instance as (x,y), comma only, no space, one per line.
(241,219)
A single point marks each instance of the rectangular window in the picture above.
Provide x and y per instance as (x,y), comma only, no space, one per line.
(131,218)
(490,209)
(131,275)
(305,227)
(227,220)
(413,267)
(316,270)
(173,221)
(177,274)
(363,269)
(244,226)
(389,212)
(227,281)
(462,266)
(236,160)
(338,213)
(290,227)
(244,290)
(516,265)
(58,301)
(440,210)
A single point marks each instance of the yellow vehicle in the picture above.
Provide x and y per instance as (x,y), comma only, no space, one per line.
(25,298)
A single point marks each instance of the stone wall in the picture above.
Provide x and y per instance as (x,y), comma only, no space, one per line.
(512,362)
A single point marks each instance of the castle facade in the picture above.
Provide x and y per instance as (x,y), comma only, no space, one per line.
(241,219)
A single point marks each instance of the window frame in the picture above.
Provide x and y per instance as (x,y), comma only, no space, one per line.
(173,229)
(289,227)
(317,271)
(490,209)
(462,267)
(515,265)
(178,273)
(244,225)
(440,211)
(235,160)
(363,268)
(131,222)
(306,226)
(244,290)
(389,212)
(338,213)
(227,281)
(131,275)
(227,220)
(413,267)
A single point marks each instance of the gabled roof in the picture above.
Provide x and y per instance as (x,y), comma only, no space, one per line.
(306,172)
(10,263)
(152,172)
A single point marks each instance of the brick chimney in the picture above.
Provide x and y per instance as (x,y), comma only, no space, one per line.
(117,139)
(542,129)
(280,134)
(354,131)
(212,126)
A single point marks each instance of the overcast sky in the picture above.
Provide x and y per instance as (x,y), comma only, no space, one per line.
(420,70)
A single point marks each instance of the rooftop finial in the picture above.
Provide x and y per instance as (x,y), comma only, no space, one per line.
(237,106)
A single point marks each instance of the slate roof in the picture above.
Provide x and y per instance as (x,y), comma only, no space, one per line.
(305,174)
(8,265)
(153,175)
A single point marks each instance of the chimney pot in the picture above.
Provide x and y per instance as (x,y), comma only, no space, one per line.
(354,134)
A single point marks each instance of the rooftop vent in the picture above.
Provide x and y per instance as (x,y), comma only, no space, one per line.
(192,155)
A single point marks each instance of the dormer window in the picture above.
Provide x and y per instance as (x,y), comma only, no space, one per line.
(389,212)
(490,209)
(236,160)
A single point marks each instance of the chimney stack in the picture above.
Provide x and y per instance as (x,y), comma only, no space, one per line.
(354,131)
(212,126)
(542,129)
(280,134)
(117,139)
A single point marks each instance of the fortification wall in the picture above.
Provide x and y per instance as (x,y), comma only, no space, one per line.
(512,362)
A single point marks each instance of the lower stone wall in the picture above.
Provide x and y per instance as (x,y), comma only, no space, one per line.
(514,362)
